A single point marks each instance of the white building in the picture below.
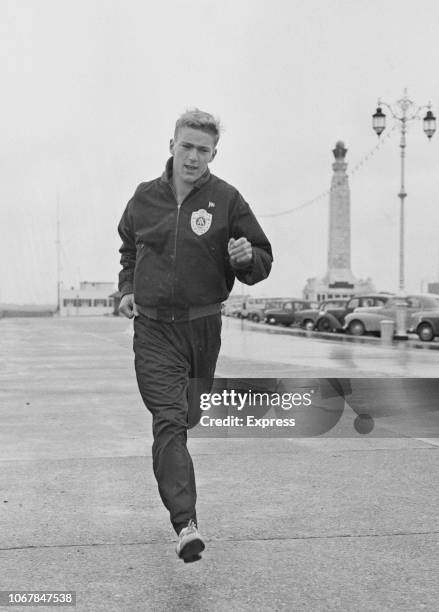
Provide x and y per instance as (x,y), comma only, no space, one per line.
(89,299)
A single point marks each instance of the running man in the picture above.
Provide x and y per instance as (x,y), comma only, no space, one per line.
(185,236)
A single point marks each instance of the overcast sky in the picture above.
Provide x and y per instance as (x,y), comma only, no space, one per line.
(91,90)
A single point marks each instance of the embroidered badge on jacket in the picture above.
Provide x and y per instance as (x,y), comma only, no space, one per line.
(200,221)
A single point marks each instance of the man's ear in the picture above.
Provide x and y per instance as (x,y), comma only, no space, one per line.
(213,155)
(171,146)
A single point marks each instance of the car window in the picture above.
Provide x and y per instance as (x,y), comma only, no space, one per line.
(393,303)
(299,306)
(428,303)
(380,302)
(354,303)
(288,305)
(414,302)
(367,302)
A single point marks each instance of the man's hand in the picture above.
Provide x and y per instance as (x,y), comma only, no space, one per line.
(240,251)
(127,306)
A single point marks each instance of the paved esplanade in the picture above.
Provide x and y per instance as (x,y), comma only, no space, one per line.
(345,522)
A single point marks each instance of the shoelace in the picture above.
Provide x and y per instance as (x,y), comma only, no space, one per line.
(191,527)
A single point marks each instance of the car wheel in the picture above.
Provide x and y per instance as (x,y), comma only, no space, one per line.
(308,325)
(356,328)
(425,332)
(324,325)
(256,318)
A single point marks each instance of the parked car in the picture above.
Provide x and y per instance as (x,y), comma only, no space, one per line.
(233,306)
(333,319)
(255,308)
(307,318)
(246,304)
(425,324)
(368,320)
(286,315)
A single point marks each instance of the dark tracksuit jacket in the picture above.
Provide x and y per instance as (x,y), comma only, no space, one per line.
(175,261)
(177,256)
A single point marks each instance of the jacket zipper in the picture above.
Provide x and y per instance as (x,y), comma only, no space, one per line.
(174,254)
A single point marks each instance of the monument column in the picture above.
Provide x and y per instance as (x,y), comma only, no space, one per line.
(339,273)
(338,281)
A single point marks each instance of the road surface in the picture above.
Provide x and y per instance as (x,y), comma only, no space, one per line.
(346,522)
(261,350)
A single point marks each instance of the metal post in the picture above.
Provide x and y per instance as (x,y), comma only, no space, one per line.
(402,195)
(58,258)
(408,112)
(401,309)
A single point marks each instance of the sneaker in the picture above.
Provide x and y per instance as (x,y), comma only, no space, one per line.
(190,544)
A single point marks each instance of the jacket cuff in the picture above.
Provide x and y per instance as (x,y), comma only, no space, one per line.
(246,267)
(125,288)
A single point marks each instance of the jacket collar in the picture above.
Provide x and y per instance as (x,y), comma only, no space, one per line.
(167,175)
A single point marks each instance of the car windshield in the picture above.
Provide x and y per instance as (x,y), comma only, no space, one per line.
(335,304)
(327,306)
(275,304)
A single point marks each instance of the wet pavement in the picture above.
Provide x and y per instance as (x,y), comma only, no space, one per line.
(280,352)
(340,522)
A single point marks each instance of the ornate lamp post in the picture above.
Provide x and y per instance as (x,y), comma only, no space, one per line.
(408,111)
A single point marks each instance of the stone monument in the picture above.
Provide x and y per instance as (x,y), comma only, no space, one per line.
(338,281)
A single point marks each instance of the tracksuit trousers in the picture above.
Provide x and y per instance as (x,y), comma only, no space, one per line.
(174,363)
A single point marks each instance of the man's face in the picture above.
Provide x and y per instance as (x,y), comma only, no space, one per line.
(192,150)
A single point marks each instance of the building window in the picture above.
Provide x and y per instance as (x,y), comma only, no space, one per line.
(100,302)
(68,303)
(84,302)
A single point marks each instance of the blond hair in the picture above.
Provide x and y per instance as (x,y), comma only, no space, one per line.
(199,120)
